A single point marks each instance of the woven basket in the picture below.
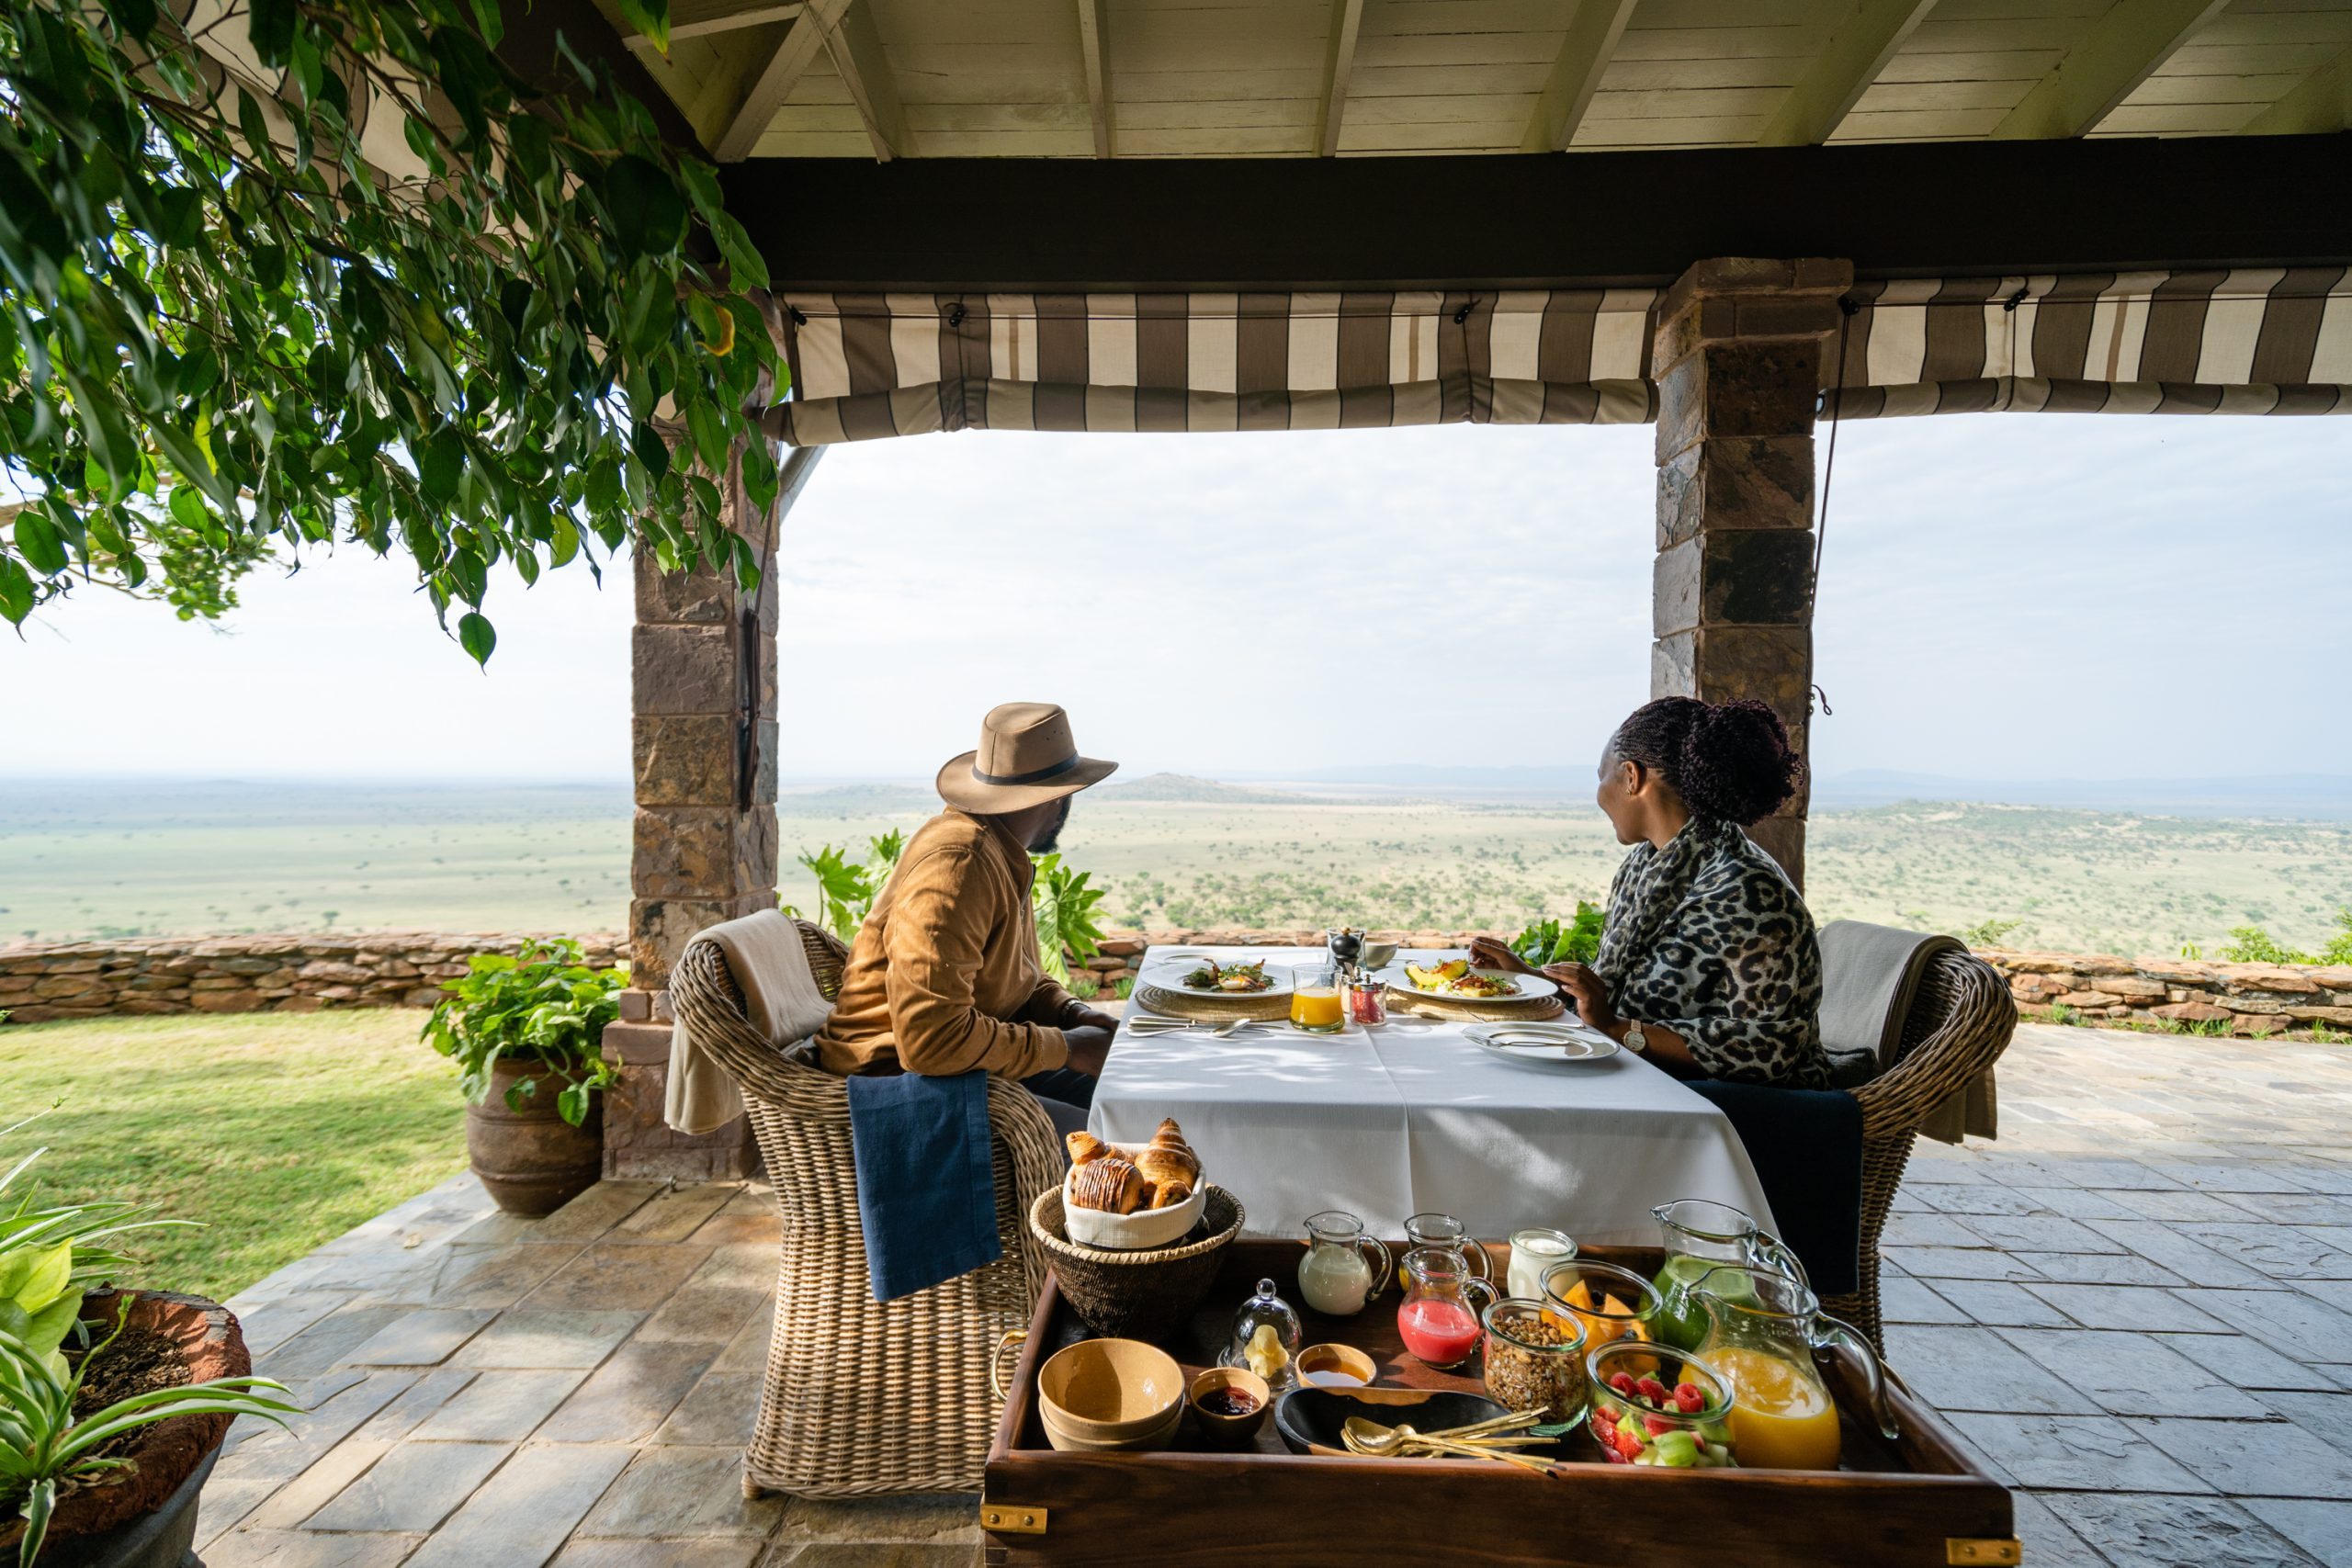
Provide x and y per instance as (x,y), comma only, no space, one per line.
(1211,1010)
(1136,1295)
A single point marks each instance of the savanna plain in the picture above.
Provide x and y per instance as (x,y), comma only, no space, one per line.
(92,859)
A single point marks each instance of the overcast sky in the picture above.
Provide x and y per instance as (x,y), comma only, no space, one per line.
(2004,596)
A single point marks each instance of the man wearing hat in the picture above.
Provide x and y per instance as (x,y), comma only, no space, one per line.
(944,976)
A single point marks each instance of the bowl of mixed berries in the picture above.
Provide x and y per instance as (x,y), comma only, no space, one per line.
(1655,1407)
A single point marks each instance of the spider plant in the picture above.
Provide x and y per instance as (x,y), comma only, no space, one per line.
(46,1452)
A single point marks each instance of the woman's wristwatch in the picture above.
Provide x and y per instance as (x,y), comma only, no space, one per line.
(1635,1040)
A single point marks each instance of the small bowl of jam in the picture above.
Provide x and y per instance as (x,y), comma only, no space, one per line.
(1230,1404)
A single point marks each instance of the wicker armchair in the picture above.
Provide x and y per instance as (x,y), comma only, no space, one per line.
(1961,1023)
(861,1397)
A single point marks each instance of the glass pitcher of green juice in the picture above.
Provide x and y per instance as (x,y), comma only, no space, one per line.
(1700,1235)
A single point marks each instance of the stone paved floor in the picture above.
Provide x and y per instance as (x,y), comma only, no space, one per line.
(2138,1305)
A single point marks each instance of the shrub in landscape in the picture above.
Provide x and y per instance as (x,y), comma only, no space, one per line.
(543,1007)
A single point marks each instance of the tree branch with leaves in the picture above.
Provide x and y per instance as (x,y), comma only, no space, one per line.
(310,275)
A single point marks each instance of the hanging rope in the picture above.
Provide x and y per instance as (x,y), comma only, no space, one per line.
(1849,307)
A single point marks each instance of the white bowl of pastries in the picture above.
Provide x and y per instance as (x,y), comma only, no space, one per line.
(1128,1196)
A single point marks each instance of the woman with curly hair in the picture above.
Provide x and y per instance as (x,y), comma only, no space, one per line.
(1708,964)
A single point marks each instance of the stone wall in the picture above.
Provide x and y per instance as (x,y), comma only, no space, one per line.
(245,974)
(303,974)
(2251,1000)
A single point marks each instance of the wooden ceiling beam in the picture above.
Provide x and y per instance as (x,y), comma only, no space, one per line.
(1338,63)
(856,47)
(769,78)
(2121,50)
(1091,31)
(1857,51)
(1894,210)
(2321,101)
(1585,53)
(708,18)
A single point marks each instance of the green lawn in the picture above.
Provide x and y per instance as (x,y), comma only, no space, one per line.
(276,1131)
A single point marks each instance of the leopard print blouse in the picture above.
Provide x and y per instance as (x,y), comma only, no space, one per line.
(1707,937)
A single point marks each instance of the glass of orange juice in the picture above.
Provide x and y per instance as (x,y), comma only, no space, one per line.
(1315,1003)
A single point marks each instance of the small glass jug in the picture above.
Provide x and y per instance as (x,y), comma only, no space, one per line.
(1343,1268)
(1762,1330)
(1440,1320)
(1447,1233)
(1700,1235)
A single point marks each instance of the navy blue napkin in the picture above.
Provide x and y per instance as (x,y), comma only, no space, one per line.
(926,1187)
(1806,1146)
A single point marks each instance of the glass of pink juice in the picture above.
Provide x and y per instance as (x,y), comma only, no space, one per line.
(1439,1319)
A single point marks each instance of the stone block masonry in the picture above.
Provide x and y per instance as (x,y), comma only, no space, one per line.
(298,972)
(277,972)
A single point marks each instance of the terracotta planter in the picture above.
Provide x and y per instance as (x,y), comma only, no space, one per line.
(531,1161)
(148,1518)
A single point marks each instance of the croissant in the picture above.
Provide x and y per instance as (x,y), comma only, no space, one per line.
(1084,1146)
(1168,1136)
(1110,1184)
(1168,1194)
(1162,1165)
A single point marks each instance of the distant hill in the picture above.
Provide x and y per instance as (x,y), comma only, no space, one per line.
(1184,788)
(858,799)
(2308,797)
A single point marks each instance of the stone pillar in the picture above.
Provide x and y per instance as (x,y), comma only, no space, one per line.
(702,665)
(1738,359)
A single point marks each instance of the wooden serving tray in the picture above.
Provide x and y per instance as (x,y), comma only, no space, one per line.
(1917,1502)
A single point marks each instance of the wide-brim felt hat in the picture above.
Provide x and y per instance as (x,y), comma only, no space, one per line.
(1026,757)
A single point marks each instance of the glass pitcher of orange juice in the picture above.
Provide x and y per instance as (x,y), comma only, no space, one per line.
(1762,1330)
(1314,1002)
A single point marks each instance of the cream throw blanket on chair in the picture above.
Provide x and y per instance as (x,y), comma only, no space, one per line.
(1870,975)
(780,999)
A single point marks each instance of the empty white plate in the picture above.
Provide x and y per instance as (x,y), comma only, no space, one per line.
(1550,1045)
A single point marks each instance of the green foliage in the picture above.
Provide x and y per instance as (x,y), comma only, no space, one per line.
(845,890)
(48,1255)
(2061,1013)
(2252,944)
(544,1006)
(1989,933)
(2212,1028)
(1553,943)
(2339,946)
(229,334)
(1063,903)
(2323,1035)
(45,1451)
(1065,908)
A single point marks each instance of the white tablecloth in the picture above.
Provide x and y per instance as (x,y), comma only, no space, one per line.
(1412,1117)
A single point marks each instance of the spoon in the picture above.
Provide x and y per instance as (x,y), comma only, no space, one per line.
(1370,1438)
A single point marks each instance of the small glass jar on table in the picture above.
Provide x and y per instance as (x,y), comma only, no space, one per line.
(1534,1361)
(1315,1003)
(1367,1000)
(1533,1254)
(1659,1407)
(1605,1301)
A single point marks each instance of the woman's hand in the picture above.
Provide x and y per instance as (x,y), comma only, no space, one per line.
(1490,952)
(1591,994)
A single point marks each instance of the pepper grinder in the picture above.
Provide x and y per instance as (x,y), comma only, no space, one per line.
(1347,946)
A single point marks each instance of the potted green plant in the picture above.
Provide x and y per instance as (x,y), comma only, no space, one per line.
(527,1033)
(113,1404)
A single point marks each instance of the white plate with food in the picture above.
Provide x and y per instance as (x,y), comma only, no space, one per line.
(1454,980)
(1548,1044)
(1199,974)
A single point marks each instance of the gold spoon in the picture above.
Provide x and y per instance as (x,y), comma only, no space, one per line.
(1370,1438)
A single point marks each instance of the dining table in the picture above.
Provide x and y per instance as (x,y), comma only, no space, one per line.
(1410,1116)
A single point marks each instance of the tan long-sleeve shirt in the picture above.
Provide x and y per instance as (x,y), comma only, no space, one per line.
(943,975)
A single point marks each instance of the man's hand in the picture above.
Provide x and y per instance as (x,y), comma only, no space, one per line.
(1591,994)
(1085,1017)
(1088,1045)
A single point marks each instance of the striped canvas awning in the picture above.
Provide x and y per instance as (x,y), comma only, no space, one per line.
(864,365)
